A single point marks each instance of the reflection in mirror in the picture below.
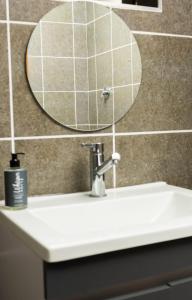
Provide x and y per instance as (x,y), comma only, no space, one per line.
(83,65)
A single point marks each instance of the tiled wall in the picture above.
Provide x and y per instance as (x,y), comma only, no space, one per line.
(154,138)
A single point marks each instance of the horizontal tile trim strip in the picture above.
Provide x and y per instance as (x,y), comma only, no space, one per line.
(67,136)
(153,132)
(5,139)
(97,135)
(133,31)
(18,22)
(162,34)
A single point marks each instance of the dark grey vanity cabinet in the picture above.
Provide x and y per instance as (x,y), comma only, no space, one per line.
(154,272)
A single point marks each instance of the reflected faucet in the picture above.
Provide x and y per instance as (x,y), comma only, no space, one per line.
(98,167)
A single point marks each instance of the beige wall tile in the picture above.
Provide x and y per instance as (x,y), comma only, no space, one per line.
(122,66)
(136,64)
(100,10)
(90,14)
(80,45)
(30,11)
(61,13)
(122,101)
(155,158)
(61,169)
(81,73)
(164,99)
(2,9)
(92,73)
(176,18)
(34,73)
(57,40)
(4,85)
(82,108)
(39,97)
(104,70)
(93,108)
(90,43)
(34,45)
(5,149)
(64,81)
(80,15)
(103,34)
(61,107)
(121,33)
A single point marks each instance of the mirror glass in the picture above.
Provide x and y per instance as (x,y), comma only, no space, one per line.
(83,65)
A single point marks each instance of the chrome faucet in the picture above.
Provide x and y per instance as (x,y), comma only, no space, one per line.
(98,167)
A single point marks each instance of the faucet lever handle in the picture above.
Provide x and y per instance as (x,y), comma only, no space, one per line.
(95,147)
(87,145)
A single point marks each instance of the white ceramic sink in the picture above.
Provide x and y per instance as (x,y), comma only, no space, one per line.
(63,227)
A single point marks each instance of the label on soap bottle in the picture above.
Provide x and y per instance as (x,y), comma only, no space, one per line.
(15,187)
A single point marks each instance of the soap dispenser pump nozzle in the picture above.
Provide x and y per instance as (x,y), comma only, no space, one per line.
(15,162)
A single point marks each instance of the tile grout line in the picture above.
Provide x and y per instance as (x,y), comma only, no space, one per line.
(88,96)
(110,134)
(133,31)
(67,136)
(161,34)
(5,139)
(113,99)
(95,50)
(158,132)
(10,80)
(74,63)
(18,22)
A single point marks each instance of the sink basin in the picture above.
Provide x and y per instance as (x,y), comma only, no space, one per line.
(63,227)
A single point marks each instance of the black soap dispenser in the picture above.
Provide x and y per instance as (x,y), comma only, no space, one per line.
(15,179)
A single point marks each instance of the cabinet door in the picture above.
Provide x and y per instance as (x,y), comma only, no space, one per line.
(181,289)
(158,293)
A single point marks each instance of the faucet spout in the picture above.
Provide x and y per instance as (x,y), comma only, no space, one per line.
(108,164)
(98,167)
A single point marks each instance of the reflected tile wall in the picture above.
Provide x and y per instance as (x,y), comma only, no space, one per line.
(163,103)
(57,39)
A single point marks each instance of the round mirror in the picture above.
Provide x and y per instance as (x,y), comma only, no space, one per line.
(83,65)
